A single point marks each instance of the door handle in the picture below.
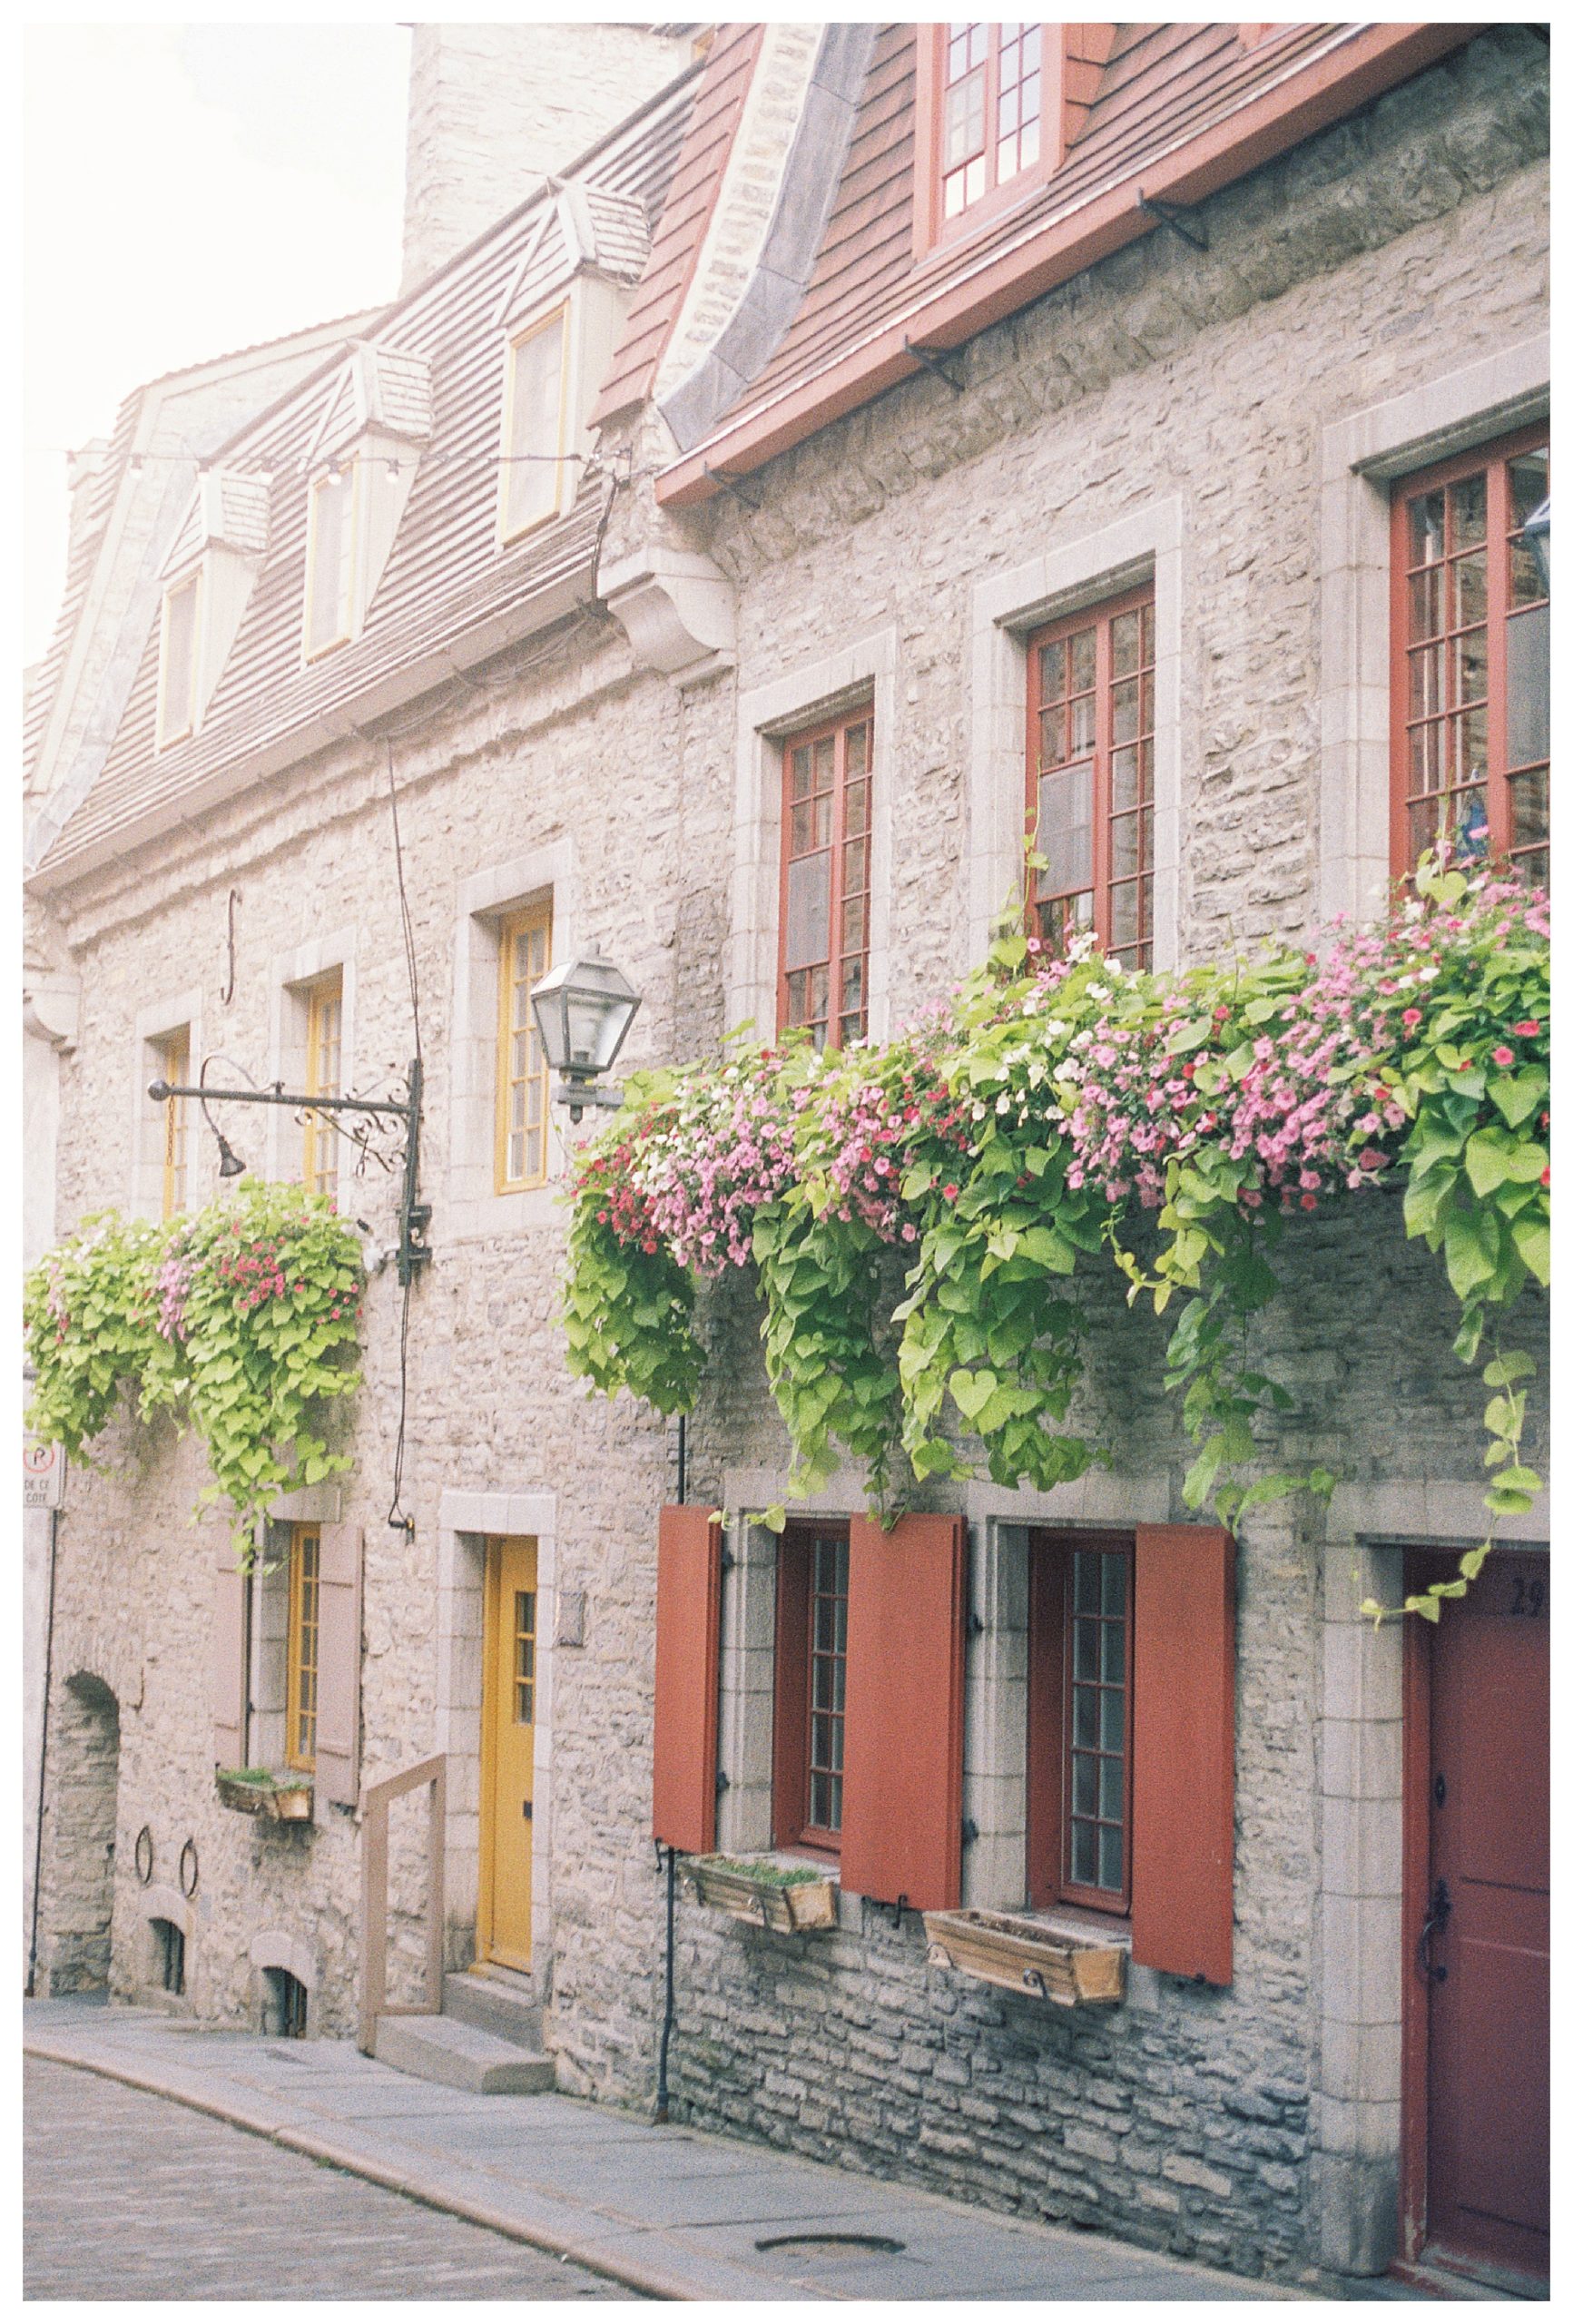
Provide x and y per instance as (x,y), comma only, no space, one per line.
(1437,1919)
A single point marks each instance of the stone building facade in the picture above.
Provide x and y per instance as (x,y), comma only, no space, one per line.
(602,728)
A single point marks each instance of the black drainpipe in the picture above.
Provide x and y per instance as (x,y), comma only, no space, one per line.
(663,2094)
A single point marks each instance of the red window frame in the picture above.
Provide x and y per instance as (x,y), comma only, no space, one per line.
(1451,656)
(937,44)
(810,1664)
(831,817)
(1066,1766)
(1091,890)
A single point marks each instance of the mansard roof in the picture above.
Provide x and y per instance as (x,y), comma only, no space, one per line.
(432,364)
(1178,110)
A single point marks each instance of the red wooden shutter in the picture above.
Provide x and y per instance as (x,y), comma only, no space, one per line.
(906,1645)
(231,1590)
(687,1678)
(338,1569)
(1183,1752)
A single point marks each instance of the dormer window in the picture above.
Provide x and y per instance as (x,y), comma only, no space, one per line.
(177,703)
(363,459)
(536,425)
(331,560)
(998,108)
(208,576)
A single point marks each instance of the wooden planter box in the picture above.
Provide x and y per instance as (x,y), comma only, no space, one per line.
(1010,1950)
(766,1903)
(283,1799)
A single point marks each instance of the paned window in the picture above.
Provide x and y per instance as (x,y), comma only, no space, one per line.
(177,698)
(534,425)
(991,119)
(1089,777)
(1472,661)
(523,1658)
(811,1685)
(330,559)
(524,956)
(300,1695)
(825,833)
(324,1076)
(174,1055)
(1082,1605)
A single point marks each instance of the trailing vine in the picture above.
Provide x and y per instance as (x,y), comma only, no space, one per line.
(915,1216)
(242,1319)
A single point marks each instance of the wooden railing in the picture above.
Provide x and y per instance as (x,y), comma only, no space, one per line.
(376,1801)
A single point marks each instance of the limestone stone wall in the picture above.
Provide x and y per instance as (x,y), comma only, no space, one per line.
(1404,245)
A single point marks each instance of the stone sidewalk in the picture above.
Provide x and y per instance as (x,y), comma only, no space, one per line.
(672,2213)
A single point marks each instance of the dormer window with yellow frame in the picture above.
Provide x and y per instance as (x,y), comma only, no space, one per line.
(536,425)
(178,646)
(524,956)
(324,1072)
(332,559)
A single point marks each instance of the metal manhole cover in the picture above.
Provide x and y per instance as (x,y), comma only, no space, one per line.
(814,2240)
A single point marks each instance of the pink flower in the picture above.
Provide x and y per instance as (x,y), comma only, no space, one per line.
(1411,1019)
(950,1192)
(1528,1028)
(1502,1055)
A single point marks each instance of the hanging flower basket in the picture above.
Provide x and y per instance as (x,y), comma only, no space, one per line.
(256,1791)
(769,1895)
(1010,1950)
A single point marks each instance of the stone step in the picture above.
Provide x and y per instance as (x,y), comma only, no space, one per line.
(498,2001)
(444,2049)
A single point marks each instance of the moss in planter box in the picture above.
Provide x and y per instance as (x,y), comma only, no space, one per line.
(763,1875)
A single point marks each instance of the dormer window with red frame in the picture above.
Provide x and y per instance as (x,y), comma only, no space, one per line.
(1089,777)
(1472,671)
(823,980)
(999,107)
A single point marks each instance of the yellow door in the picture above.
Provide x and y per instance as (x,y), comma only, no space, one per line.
(508,1754)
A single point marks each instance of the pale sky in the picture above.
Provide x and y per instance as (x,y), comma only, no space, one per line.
(189,189)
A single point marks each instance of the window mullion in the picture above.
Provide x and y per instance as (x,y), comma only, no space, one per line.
(1102,779)
(1499,523)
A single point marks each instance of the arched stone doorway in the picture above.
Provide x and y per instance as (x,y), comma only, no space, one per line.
(83,1782)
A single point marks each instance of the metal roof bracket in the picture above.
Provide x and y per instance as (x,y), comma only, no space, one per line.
(937,360)
(1184,219)
(730,484)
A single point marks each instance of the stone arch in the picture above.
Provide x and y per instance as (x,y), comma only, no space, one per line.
(82,1801)
(284,1965)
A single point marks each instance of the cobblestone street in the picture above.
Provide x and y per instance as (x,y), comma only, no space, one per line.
(130,2196)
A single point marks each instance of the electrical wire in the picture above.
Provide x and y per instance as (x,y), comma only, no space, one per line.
(404,903)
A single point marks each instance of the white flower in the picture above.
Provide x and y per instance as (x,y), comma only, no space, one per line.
(1098,992)
(1002,1103)
(1116,967)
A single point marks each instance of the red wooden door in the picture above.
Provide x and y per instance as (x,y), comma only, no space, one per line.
(1481,1956)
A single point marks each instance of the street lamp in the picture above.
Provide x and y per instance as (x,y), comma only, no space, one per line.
(1538,533)
(583,1011)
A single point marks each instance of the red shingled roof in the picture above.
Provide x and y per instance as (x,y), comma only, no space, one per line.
(674,255)
(1181,109)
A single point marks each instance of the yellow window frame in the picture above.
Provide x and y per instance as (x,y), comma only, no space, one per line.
(324,1075)
(174,1055)
(169,731)
(304,1632)
(535,921)
(349,592)
(511,450)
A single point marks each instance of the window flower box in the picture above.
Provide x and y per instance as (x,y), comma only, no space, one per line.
(255,1791)
(785,1897)
(1012,1950)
